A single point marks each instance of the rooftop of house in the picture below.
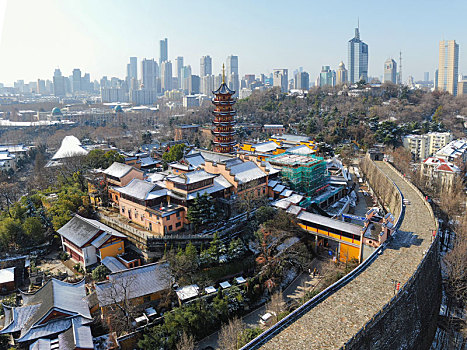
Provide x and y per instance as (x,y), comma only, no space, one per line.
(133,283)
(246,171)
(55,295)
(142,190)
(191,177)
(119,170)
(80,231)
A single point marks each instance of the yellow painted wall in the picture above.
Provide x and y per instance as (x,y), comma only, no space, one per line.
(113,249)
(348,252)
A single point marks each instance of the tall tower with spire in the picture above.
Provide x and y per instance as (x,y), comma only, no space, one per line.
(223,131)
(358,58)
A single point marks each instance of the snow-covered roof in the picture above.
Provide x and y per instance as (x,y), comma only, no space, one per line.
(453,149)
(295,198)
(142,190)
(294,210)
(138,281)
(70,147)
(118,170)
(113,264)
(219,184)
(7,275)
(278,188)
(246,172)
(286,193)
(240,280)
(80,231)
(195,159)
(187,292)
(325,221)
(192,177)
(301,149)
(272,183)
(283,203)
(265,147)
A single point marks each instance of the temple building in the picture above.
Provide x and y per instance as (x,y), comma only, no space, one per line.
(224,134)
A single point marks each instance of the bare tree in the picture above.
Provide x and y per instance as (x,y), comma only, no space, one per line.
(120,309)
(276,305)
(186,342)
(229,334)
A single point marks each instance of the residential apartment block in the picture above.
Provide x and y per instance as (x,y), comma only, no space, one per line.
(423,146)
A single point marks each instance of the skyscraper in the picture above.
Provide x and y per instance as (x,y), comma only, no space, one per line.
(76,80)
(164,51)
(148,74)
(302,81)
(342,74)
(326,76)
(205,66)
(59,83)
(185,78)
(166,76)
(232,77)
(179,67)
(426,76)
(358,58)
(448,66)
(281,79)
(132,69)
(390,71)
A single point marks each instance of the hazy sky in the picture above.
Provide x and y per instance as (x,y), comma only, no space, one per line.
(98,36)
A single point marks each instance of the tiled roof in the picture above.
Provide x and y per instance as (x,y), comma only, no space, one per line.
(141,190)
(80,230)
(118,170)
(192,177)
(246,172)
(138,281)
(54,295)
(113,264)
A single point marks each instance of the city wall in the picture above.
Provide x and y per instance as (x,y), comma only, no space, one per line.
(409,320)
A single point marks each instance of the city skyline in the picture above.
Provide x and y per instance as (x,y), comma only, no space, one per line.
(103,50)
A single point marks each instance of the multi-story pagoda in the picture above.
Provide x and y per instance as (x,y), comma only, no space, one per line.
(223,131)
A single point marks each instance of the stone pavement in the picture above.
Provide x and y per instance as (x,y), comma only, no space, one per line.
(333,322)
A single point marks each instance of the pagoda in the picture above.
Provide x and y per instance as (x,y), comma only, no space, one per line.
(223,131)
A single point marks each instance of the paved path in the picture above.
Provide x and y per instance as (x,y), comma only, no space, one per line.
(334,321)
(295,290)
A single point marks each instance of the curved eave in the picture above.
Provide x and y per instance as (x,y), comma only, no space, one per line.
(225,144)
(224,123)
(223,90)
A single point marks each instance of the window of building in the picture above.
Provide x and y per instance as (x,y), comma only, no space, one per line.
(123,210)
(147,298)
(170,228)
(178,214)
(150,226)
(178,224)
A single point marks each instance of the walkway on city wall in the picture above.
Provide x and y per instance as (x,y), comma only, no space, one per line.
(334,321)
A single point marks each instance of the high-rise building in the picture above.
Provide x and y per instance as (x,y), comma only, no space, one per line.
(280,79)
(302,81)
(390,71)
(148,74)
(207,84)
(40,88)
(436,80)
(448,66)
(185,79)
(76,80)
(326,76)
(163,51)
(358,59)
(232,65)
(205,66)
(132,69)
(426,76)
(166,76)
(86,83)
(193,84)
(342,76)
(179,67)
(232,77)
(59,83)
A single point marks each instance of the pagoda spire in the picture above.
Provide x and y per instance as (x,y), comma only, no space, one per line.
(223,73)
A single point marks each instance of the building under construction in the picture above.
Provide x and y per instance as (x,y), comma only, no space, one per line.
(303,173)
